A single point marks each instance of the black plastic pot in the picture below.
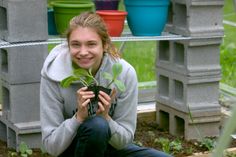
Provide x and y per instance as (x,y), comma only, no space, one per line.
(93,105)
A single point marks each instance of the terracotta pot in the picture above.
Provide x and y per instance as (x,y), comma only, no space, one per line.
(114,20)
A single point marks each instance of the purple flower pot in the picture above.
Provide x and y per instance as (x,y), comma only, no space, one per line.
(106,4)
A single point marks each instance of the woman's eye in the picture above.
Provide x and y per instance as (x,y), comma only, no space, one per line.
(75,45)
(92,44)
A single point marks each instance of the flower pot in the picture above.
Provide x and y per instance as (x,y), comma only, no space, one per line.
(65,10)
(93,105)
(106,4)
(146,17)
(51,22)
(114,20)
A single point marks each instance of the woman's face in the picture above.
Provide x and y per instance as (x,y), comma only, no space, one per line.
(86,48)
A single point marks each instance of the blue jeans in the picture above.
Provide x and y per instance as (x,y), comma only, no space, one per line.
(92,141)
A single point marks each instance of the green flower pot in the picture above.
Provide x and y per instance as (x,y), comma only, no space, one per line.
(65,10)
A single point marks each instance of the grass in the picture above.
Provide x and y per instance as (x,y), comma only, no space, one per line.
(142,56)
(228,48)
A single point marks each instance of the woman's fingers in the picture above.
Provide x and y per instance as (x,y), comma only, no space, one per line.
(83,95)
(100,108)
(104,97)
(85,103)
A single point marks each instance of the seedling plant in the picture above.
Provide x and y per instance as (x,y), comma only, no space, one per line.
(87,79)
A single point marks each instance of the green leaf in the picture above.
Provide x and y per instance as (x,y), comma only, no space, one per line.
(116,69)
(29,151)
(80,72)
(89,80)
(107,76)
(120,85)
(23,147)
(67,81)
(24,155)
(90,71)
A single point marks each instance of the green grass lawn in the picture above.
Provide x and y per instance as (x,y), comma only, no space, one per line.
(228,46)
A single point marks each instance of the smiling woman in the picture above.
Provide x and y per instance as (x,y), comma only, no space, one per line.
(65,111)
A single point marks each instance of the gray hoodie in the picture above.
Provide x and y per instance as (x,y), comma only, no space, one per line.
(58,105)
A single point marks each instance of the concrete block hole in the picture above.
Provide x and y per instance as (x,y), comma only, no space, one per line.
(164,51)
(179,54)
(3,22)
(4,60)
(164,120)
(179,128)
(164,86)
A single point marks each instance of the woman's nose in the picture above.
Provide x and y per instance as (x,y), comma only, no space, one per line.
(83,50)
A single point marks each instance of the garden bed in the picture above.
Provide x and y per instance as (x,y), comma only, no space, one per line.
(147,134)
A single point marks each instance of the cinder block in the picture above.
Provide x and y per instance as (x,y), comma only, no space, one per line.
(29,133)
(180,91)
(193,57)
(21,102)
(198,17)
(23,20)
(202,123)
(22,64)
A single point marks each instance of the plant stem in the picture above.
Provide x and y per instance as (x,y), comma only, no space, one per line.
(225,138)
(110,83)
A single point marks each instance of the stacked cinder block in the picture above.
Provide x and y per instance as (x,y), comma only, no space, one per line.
(22,21)
(188,71)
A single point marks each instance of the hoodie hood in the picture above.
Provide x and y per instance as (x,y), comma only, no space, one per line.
(58,64)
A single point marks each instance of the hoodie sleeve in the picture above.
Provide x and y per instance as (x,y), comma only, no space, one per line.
(57,132)
(123,122)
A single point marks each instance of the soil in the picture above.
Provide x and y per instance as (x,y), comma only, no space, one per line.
(147,134)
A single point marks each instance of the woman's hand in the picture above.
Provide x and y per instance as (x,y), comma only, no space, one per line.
(105,103)
(83,98)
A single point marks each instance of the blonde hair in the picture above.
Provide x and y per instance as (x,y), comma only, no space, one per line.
(94,21)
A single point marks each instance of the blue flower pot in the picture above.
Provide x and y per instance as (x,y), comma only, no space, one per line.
(147,17)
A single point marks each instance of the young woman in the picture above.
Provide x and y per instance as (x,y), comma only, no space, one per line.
(67,129)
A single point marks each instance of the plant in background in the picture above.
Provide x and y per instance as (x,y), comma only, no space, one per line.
(176,146)
(165,144)
(208,143)
(169,147)
(87,79)
(225,137)
(25,150)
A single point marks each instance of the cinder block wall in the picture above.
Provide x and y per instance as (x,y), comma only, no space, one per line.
(188,71)
(22,21)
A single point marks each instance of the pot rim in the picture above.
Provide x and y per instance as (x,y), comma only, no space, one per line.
(111,12)
(72,4)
